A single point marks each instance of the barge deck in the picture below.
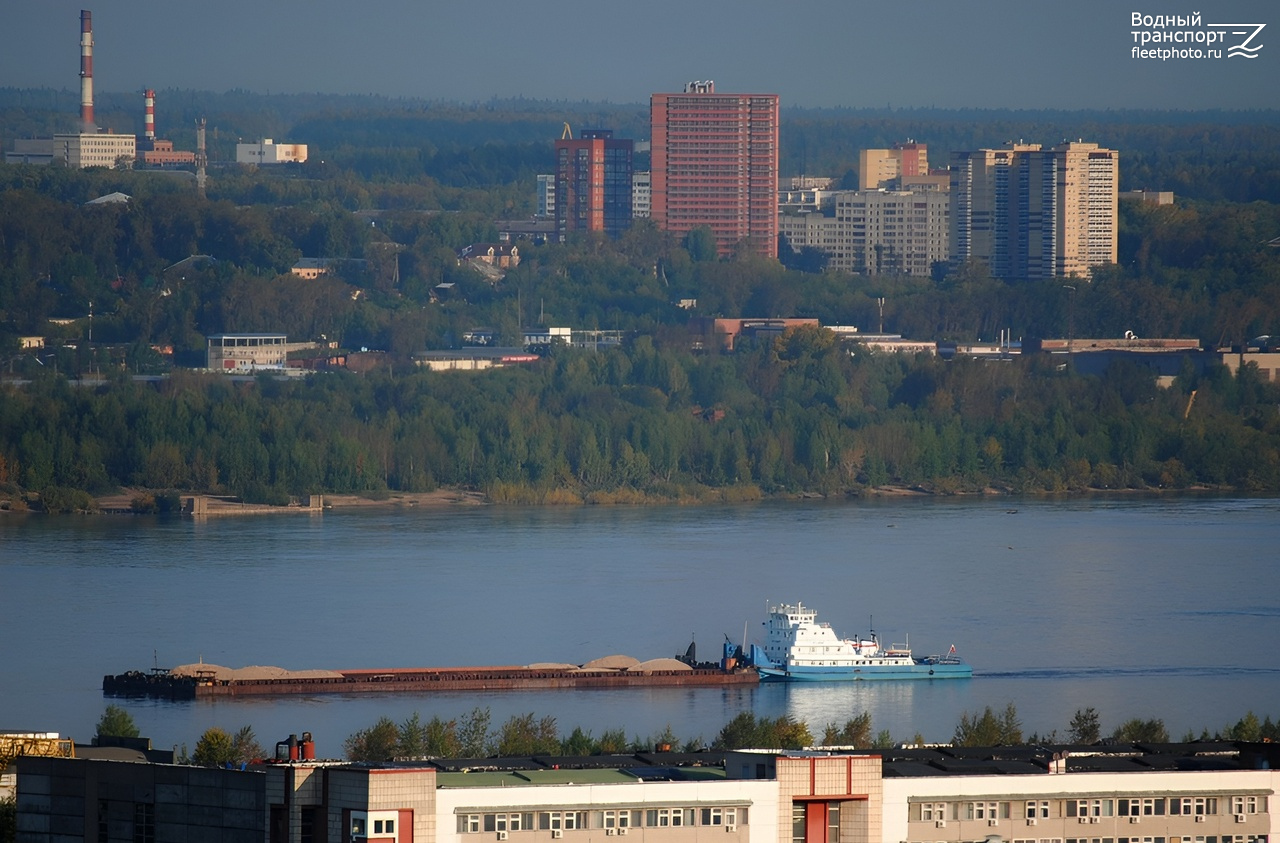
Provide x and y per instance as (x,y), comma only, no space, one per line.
(160,684)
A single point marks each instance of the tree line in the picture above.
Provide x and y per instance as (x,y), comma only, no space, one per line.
(474,735)
(794,414)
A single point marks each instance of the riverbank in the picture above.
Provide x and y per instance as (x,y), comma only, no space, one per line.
(125,501)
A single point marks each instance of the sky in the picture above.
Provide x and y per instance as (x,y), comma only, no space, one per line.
(1023,54)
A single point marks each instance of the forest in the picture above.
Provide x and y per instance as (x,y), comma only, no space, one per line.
(795,415)
(404,185)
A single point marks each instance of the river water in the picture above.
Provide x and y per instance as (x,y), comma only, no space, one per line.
(1138,607)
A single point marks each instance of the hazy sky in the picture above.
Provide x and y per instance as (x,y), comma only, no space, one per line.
(945,53)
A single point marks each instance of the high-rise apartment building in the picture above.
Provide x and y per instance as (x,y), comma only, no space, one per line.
(715,164)
(546,195)
(874,232)
(891,232)
(641,195)
(593,183)
(1033,213)
(877,167)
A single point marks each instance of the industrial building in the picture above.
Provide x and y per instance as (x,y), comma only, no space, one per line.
(91,147)
(1173,793)
(715,164)
(267,151)
(157,152)
(239,353)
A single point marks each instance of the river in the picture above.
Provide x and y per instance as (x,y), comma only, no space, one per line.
(1138,607)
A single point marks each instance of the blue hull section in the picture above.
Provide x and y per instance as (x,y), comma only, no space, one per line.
(866,674)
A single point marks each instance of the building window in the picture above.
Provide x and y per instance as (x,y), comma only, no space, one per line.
(1037,810)
(468,824)
(1248,804)
(797,822)
(1090,807)
(987,810)
(1197,805)
(930,811)
(561,820)
(144,823)
(833,822)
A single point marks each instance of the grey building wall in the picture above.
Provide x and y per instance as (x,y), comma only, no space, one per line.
(76,800)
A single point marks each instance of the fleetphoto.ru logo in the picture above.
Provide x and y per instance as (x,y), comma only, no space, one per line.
(1167,37)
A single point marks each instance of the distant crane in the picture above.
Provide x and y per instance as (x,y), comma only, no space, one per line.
(567,134)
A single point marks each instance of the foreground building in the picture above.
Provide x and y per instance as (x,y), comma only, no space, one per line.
(1176,793)
(715,164)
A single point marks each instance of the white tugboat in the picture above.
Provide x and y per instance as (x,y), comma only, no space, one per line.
(799,649)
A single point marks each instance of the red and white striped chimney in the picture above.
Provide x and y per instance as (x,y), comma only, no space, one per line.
(149,121)
(86,70)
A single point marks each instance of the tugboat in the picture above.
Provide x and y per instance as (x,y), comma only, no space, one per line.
(799,649)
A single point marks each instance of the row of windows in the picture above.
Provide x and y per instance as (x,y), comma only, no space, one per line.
(1125,807)
(619,818)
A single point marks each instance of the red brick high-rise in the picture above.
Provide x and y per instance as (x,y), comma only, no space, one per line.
(715,163)
(593,183)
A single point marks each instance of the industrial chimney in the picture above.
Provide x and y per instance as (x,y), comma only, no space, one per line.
(86,71)
(149,120)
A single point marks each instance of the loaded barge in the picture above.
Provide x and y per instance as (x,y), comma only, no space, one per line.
(193,682)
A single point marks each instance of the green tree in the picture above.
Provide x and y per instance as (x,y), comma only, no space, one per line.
(377,743)
(1084,727)
(883,740)
(8,820)
(214,749)
(855,733)
(116,723)
(746,731)
(700,243)
(1247,728)
(245,746)
(413,737)
(614,742)
(440,738)
(473,733)
(579,743)
(525,734)
(1137,730)
(989,728)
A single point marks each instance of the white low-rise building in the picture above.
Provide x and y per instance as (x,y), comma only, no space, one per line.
(267,151)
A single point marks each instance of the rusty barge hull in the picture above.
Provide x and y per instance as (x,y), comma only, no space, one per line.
(419,681)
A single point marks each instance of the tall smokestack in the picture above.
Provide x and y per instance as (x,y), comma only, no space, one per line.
(86,70)
(149,120)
